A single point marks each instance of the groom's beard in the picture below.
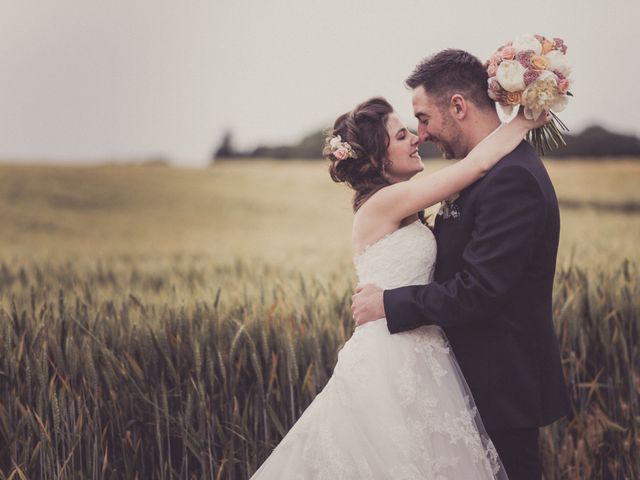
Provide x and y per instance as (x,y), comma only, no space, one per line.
(446,150)
(451,141)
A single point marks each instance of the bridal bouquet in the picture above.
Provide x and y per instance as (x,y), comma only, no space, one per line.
(532,72)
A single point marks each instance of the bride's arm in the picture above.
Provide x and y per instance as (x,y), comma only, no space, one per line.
(402,199)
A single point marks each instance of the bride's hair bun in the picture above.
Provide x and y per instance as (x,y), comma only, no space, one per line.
(362,133)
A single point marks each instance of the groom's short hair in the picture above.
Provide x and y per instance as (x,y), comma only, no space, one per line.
(449,72)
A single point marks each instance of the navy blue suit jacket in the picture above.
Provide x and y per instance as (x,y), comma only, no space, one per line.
(492,293)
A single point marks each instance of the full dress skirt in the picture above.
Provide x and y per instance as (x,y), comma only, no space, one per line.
(396,406)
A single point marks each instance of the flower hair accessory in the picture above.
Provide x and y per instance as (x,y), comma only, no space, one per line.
(339,149)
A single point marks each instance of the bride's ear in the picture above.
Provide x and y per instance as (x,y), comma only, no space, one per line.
(386,164)
(458,106)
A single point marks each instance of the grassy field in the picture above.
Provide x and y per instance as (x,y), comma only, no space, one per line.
(284,213)
(161,322)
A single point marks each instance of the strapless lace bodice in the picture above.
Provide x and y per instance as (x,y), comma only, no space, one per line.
(406,256)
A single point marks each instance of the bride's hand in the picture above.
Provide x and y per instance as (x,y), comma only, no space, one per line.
(542,120)
(367,304)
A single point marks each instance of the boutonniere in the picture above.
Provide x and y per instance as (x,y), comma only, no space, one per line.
(449,208)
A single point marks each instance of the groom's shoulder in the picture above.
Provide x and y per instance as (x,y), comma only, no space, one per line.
(523,155)
(523,158)
(522,168)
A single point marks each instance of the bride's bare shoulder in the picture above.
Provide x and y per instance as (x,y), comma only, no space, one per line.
(370,225)
(367,226)
(379,199)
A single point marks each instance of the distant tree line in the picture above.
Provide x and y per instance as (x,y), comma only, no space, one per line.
(594,142)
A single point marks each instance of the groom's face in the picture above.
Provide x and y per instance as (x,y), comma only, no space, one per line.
(435,124)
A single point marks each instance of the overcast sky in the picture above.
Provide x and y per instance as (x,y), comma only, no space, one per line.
(87,81)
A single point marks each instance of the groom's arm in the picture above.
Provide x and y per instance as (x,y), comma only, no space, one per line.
(510,216)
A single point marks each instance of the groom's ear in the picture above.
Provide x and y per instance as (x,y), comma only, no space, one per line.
(459,106)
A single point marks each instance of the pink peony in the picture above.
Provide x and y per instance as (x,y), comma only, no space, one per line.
(341,153)
(492,69)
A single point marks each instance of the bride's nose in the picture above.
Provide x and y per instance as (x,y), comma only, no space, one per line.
(415,140)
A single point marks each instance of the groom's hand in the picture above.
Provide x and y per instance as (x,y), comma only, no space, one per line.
(367,304)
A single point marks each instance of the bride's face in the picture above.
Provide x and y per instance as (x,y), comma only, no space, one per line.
(402,152)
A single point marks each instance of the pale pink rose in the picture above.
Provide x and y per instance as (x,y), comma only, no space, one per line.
(491,69)
(508,53)
(341,153)
(539,62)
(496,58)
(513,98)
(563,86)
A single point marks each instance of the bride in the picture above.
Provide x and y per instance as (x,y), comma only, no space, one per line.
(397,406)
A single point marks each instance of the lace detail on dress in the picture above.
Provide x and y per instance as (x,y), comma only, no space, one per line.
(447,415)
(404,257)
(329,463)
(427,341)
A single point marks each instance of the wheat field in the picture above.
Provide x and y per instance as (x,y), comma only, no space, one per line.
(161,322)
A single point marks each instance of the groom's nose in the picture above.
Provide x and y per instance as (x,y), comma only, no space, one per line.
(423,135)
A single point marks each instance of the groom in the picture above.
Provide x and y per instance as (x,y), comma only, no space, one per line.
(497,245)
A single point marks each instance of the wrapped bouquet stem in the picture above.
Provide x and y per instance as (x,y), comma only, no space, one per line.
(531,72)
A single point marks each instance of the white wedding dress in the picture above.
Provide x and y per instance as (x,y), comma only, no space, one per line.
(396,406)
